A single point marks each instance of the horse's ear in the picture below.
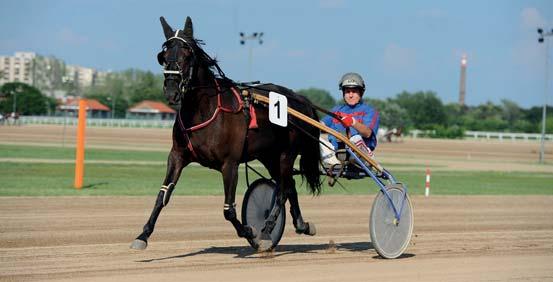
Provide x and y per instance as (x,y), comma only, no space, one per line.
(167,30)
(188,29)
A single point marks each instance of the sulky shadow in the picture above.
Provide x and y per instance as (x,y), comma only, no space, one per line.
(247,252)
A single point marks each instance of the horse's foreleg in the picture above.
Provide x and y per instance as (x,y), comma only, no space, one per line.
(175,163)
(230,179)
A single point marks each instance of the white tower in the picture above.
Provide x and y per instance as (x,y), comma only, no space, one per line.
(463,81)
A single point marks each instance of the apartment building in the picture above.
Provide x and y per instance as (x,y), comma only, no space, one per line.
(84,77)
(49,74)
(17,68)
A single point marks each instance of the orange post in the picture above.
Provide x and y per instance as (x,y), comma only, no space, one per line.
(79,158)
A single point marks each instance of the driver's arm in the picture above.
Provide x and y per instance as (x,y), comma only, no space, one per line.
(364,130)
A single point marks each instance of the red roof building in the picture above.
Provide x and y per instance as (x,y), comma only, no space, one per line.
(94,108)
(151,110)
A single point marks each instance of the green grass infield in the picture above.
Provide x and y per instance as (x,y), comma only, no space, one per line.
(56,179)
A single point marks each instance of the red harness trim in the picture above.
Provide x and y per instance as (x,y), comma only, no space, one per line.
(213,117)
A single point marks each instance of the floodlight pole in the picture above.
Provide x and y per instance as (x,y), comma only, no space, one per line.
(254,36)
(112,105)
(14,106)
(542,37)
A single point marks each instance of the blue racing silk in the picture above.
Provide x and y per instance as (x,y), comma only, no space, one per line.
(362,113)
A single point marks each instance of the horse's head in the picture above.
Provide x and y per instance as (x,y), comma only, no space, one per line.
(177,59)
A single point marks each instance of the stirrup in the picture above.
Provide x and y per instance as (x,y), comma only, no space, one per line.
(341,155)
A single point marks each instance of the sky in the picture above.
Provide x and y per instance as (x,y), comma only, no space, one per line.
(395,45)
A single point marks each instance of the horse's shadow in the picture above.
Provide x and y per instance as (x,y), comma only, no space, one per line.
(247,252)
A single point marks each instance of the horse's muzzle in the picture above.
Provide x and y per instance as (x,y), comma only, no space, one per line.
(172,91)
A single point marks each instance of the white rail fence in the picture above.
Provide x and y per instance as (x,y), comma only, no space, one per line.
(501,136)
(138,123)
(98,122)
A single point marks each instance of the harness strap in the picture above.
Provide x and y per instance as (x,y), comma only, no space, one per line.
(185,133)
(253,119)
(249,110)
(220,107)
(215,114)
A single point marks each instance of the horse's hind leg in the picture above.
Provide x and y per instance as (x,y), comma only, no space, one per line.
(301,226)
(288,185)
(175,163)
(230,179)
(282,170)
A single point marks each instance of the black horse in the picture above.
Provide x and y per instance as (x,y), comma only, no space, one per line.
(212,128)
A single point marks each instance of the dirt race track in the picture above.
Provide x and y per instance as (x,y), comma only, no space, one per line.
(476,238)
(456,238)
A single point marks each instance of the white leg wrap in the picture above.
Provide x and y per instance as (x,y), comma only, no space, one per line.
(166,192)
(227,206)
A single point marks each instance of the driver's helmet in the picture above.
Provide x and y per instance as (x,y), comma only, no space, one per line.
(352,80)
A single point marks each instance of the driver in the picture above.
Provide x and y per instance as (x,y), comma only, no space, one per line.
(362,119)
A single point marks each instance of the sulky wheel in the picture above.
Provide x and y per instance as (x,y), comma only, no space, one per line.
(256,207)
(389,236)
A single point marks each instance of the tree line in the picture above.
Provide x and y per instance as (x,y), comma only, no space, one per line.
(410,110)
(425,110)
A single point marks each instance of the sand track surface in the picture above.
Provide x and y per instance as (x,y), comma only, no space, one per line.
(456,238)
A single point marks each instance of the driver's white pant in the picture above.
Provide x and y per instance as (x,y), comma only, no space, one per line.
(328,154)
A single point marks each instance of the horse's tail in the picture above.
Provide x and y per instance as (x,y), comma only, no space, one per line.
(310,152)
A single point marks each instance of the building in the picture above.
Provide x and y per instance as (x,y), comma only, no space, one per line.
(49,74)
(151,110)
(94,109)
(18,68)
(83,77)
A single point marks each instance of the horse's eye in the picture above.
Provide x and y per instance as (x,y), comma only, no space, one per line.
(161,58)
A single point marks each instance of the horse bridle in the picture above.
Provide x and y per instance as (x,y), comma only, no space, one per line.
(184,81)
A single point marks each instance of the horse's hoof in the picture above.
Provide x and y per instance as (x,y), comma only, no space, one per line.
(311,230)
(138,244)
(308,229)
(250,232)
(265,245)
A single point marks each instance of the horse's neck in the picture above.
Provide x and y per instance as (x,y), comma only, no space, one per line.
(202,100)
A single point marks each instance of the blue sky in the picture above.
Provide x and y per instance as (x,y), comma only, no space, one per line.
(395,45)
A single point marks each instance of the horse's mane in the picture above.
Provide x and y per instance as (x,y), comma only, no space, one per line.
(207,61)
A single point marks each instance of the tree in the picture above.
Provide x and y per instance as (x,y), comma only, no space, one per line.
(318,97)
(378,104)
(510,112)
(424,109)
(548,125)
(454,114)
(394,116)
(127,88)
(391,114)
(28,99)
(486,117)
